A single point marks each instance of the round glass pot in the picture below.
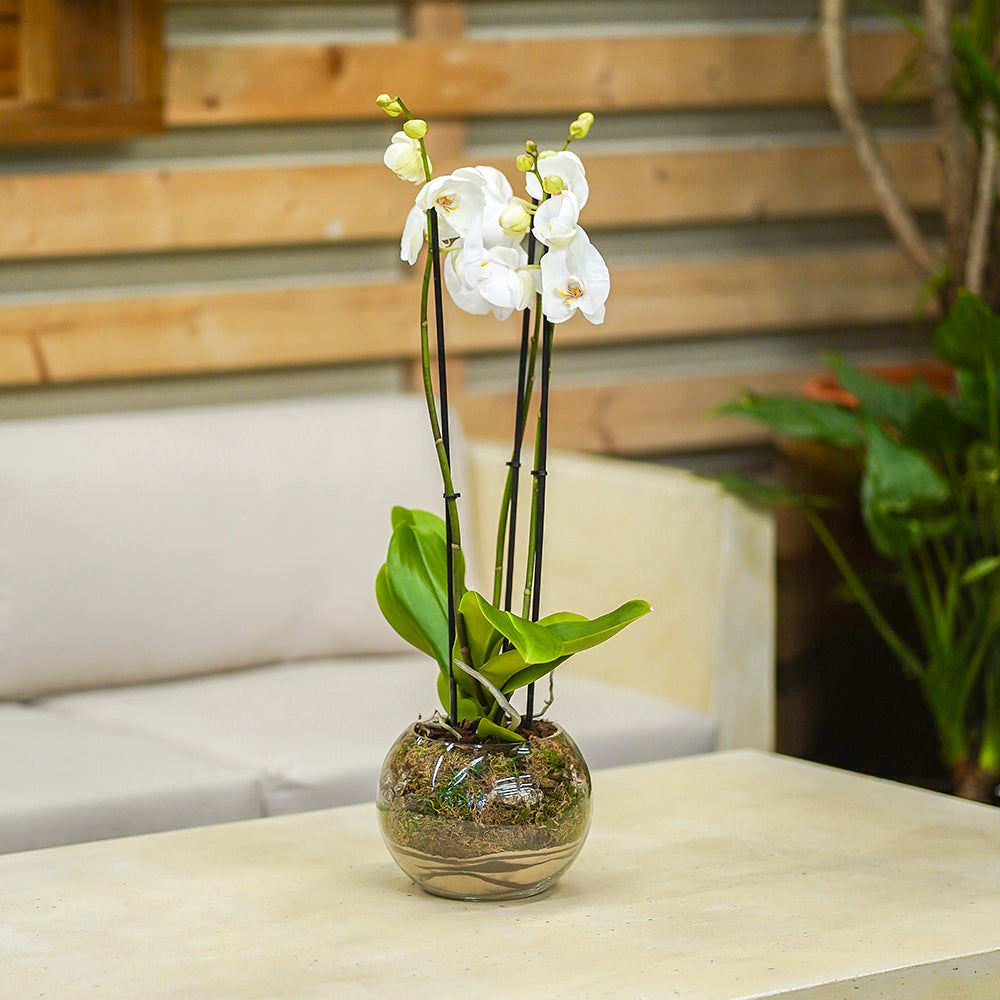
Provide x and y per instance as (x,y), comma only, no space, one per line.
(484,820)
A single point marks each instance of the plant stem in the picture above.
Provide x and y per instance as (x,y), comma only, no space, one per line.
(540,472)
(507,526)
(439,428)
(891,637)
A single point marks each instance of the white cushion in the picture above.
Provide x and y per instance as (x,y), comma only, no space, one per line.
(157,544)
(67,779)
(318,731)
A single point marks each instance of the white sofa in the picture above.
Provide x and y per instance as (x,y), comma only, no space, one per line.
(188,630)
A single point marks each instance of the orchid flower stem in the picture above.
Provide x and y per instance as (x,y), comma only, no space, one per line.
(538,505)
(440,429)
(507,527)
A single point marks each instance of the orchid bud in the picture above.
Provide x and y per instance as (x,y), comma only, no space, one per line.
(390,105)
(524,163)
(515,219)
(552,184)
(580,128)
(531,147)
(415,128)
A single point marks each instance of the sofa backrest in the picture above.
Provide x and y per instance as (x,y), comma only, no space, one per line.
(147,545)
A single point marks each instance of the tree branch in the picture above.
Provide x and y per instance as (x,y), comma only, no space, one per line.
(954,142)
(843,100)
(982,216)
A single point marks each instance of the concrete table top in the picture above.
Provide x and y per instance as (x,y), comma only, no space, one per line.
(732,875)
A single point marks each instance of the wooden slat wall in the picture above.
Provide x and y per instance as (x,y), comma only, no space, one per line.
(153,259)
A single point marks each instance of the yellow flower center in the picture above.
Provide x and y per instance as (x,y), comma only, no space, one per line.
(447,203)
(574,290)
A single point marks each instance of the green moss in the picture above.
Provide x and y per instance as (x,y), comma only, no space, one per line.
(457,800)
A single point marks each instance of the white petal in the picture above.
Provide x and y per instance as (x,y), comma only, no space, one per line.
(556,220)
(465,295)
(413,235)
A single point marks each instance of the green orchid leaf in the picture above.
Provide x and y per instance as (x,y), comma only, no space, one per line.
(416,577)
(902,495)
(530,674)
(577,633)
(508,671)
(491,731)
(533,641)
(797,417)
(877,399)
(431,529)
(397,617)
(483,638)
(969,337)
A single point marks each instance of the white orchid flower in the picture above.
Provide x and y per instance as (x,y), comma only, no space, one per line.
(464,293)
(503,281)
(506,281)
(404,158)
(568,167)
(574,277)
(458,200)
(557,220)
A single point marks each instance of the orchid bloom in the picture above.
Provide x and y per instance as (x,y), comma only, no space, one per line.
(556,220)
(405,158)
(503,281)
(574,277)
(458,200)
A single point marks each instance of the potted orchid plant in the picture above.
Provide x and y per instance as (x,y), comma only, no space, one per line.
(481,782)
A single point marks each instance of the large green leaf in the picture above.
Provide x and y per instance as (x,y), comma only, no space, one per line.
(508,671)
(416,577)
(877,399)
(969,337)
(482,637)
(577,633)
(768,496)
(902,495)
(798,417)
(532,640)
(936,427)
(396,615)
(430,529)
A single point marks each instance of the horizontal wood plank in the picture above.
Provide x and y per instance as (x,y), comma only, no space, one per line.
(19,364)
(8,55)
(473,78)
(78,121)
(163,209)
(240,329)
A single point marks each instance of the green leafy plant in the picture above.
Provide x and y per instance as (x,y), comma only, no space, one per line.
(495,253)
(930,502)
